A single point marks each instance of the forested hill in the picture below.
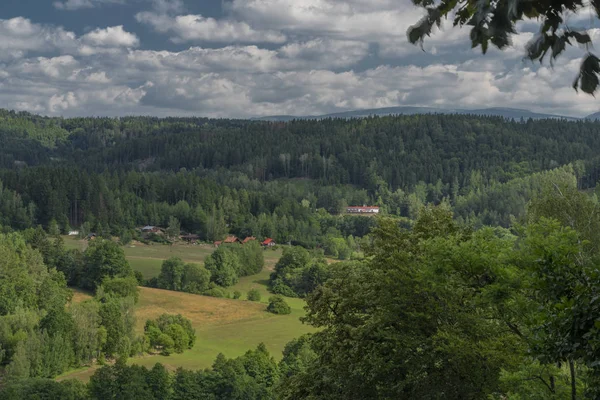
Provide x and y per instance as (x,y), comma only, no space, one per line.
(249,175)
(402,150)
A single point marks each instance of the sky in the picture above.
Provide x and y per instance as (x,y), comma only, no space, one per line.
(250,58)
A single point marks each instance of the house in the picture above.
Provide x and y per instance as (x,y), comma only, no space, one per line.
(217,243)
(268,242)
(231,239)
(73,233)
(249,238)
(151,229)
(362,210)
(91,236)
(190,238)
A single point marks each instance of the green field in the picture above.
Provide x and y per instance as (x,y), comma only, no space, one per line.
(223,326)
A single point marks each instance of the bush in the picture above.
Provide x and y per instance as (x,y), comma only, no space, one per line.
(253,295)
(170,333)
(215,291)
(237,294)
(278,287)
(277,305)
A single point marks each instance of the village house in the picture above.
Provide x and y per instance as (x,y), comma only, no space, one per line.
(248,239)
(151,229)
(191,238)
(231,239)
(73,233)
(268,242)
(362,210)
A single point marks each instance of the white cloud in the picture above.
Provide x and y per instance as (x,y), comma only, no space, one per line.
(113,36)
(326,53)
(20,36)
(188,28)
(71,5)
(317,57)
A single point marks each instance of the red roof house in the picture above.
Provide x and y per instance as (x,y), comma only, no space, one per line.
(268,242)
(231,239)
(249,238)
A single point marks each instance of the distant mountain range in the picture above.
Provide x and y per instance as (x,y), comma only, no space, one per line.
(514,113)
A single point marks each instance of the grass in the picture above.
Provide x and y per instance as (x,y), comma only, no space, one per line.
(226,326)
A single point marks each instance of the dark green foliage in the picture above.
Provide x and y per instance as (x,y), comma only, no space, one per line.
(497,23)
(44,389)
(103,258)
(237,294)
(229,262)
(298,273)
(277,305)
(176,275)
(118,319)
(398,163)
(253,295)
(119,287)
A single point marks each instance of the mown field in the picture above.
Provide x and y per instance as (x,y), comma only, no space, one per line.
(223,326)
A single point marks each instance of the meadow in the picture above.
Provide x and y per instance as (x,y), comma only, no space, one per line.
(225,326)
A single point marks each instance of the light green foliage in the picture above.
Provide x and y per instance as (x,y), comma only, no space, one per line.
(170,333)
(87,338)
(223,265)
(174,228)
(253,295)
(119,287)
(277,305)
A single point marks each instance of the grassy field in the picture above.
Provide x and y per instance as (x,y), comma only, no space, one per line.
(223,326)
(148,258)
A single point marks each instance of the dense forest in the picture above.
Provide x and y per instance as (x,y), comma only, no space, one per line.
(479,279)
(290,181)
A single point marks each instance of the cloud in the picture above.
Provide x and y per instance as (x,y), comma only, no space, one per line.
(20,36)
(352,19)
(189,28)
(113,36)
(71,5)
(273,57)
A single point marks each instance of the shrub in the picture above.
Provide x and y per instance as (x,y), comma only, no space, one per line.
(237,294)
(215,291)
(277,305)
(253,295)
(278,287)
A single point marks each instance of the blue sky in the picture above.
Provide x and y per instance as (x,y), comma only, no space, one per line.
(246,58)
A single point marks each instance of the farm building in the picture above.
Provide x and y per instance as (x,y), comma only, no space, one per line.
(362,210)
(268,242)
(151,229)
(231,239)
(73,233)
(191,238)
(248,239)
(91,236)
(218,243)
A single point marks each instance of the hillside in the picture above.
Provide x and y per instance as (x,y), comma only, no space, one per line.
(510,113)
